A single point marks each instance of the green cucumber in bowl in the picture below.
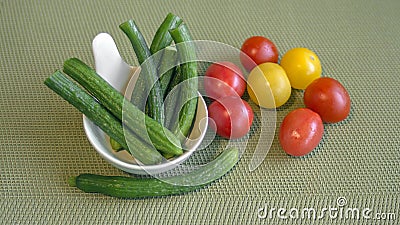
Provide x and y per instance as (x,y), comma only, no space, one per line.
(168,60)
(147,85)
(129,187)
(142,125)
(162,38)
(100,116)
(188,93)
(162,41)
(171,98)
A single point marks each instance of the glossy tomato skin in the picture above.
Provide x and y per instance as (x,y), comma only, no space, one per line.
(300,132)
(224,79)
(327,97)
(302,66)
(268,86)
(257,50)
(232,117)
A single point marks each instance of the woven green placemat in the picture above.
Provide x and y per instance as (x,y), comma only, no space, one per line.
(355,167)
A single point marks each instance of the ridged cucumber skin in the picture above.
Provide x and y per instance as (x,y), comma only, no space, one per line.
(188,71)
(129,187)
(168,60)
(171,100)
(100,116)
(134,119)
(147,93)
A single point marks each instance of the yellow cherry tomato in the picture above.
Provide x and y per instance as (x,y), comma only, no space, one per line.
(268,86)
(302,66)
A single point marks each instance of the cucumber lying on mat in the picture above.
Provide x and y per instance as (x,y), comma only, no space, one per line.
(129,187)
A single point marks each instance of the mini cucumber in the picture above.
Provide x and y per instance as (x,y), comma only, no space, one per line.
(171,100)
(168,60)
(100,116)
(128,187)
(188,93)
(162,38)
(147,94)
(142,125)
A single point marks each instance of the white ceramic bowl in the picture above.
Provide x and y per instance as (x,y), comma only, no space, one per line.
(118,73)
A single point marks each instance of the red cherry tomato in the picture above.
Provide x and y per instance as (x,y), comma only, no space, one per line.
(327,97)
(257,50)
(224,79)
(232,117)
(300,132)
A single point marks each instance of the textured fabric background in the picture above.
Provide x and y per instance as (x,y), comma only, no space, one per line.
(43,142)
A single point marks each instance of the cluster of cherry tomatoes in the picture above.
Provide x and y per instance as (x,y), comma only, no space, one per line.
(325,100)
(225,84)
(269,85)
